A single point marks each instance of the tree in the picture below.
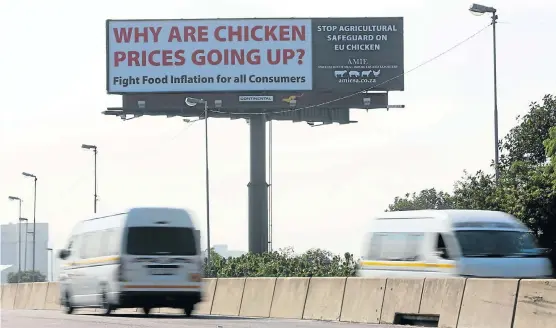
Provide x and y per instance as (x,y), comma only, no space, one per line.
(525,141)
(425,199)
(475,192)
(25,276)
(550,147)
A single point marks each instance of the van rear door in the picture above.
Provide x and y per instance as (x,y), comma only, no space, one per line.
(163,256)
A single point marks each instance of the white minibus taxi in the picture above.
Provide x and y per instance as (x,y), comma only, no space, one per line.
(468,243)
(143,258)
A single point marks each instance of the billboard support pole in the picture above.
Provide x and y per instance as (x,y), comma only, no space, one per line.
(258,187)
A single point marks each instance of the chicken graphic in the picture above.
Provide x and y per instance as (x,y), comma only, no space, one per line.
(376,73)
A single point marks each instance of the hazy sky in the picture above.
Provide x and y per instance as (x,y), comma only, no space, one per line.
(328,180)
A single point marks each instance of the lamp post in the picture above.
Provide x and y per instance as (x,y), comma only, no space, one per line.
(18,232)
(95,152)
(51,264)
(24,247)
(29,175)
(192,102)
(479,10)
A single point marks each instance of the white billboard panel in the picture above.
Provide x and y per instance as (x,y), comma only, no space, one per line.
(163,56)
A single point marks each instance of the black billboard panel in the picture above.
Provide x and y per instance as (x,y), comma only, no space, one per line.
(358,53)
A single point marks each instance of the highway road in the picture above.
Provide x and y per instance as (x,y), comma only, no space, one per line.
(87,319)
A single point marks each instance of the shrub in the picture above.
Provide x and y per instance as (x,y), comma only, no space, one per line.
(26,276)
(282,263)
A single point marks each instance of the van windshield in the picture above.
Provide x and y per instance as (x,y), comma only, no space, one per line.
(495,243)
(161,241)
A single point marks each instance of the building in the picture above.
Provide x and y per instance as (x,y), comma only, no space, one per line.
(10,241)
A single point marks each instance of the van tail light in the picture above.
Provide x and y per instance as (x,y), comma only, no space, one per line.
(195,277)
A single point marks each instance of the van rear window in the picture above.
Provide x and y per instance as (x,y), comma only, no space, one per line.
(161,241)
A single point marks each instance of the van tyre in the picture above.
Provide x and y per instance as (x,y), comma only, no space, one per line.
(147,310)
(106,307)
(188,311)
(68,307)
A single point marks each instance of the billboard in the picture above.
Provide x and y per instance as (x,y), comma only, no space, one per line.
(236,55)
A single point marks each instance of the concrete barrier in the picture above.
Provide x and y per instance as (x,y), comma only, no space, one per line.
(52,299)
(22,296)
(401,296)
(227,297)
(324,299)
(289,298)
(128,311)
(209,287)
(38,296)
(443,297)
(363,300)
(9,292)
(488,303)
(536,304)
(257,297)
(460,302)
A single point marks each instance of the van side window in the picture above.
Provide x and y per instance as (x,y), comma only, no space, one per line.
(95,242)
(441,247)
(83,248)
(90,247)
(110,242)
(374,251)
(396,246)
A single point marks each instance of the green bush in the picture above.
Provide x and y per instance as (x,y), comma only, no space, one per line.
(26,276)
(282,263)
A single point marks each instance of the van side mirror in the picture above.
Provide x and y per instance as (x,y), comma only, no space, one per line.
(64,254)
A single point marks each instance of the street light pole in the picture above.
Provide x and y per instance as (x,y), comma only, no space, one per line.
(496,148)
(34,213)
(51,264)
(477,9)
(95,152)
(19,233)
(192,102)
(25,247)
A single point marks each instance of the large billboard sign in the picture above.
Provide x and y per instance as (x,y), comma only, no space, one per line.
(237,55)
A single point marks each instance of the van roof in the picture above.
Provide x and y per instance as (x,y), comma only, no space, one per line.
(443,213)
(133,209)
(456,216)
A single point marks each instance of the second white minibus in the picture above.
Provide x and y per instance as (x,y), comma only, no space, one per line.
(468,243)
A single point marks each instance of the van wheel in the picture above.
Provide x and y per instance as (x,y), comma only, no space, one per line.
(188,310)
(146,310)
(68,307)
(105,304)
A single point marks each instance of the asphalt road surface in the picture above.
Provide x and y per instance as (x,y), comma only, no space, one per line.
(87,319)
